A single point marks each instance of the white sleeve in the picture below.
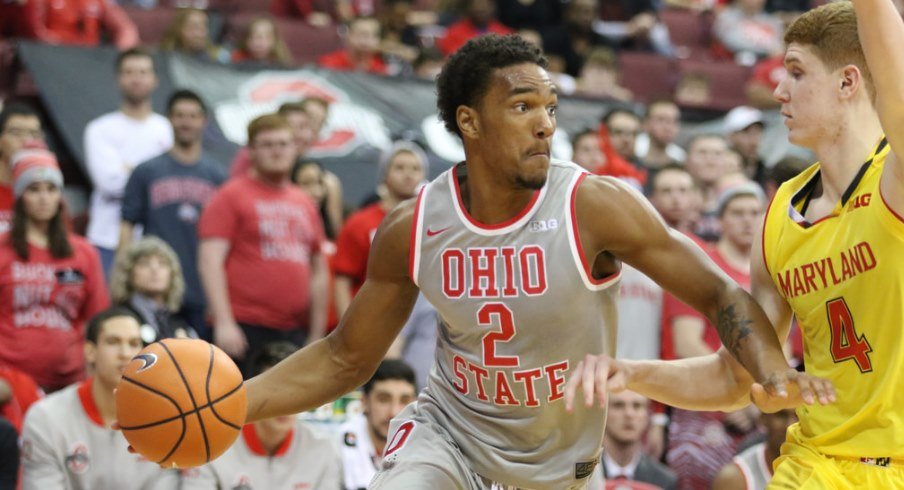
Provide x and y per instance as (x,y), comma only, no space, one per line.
(166,480)
(333,478)
(42,465)
(106,167)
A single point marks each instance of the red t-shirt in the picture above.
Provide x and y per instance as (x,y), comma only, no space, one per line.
(241,162)
(462,31)
(7,201)
(673,307)
(44,304)
(340,60)
(353,245)
(79,22)
(273,232)
(25,392)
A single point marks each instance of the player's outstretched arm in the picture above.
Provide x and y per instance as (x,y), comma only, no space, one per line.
(615,219)
(881,32)
(345,359)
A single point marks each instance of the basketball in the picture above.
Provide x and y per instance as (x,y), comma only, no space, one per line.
(181,402)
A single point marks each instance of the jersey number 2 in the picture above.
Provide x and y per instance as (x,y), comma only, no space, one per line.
(505,333)
(846,344)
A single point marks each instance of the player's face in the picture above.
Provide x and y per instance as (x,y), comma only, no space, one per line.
(588,154)
(137,79)
(809,98)
(17,132)
(741,219)
(403,175)
(628,416)
(273,152)
(386,399)
(706,159)
(42,201)
(152,275)
(662,123)
(516,120)
(118,342)
(623,130)
(673,196)
(188,121)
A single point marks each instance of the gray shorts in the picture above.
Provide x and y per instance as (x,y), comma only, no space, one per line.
(420,454)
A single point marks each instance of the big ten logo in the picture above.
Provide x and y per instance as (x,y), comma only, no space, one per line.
(540,226)
(860,201)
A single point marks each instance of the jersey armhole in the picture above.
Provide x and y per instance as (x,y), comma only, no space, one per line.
(414,250)
(763,235)
(574,241)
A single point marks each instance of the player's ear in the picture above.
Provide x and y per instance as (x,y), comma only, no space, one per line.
(851,80)
(468,121)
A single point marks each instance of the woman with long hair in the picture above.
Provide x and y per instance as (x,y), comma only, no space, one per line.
(51,281)
(261,43)
(189,34)
(147,279)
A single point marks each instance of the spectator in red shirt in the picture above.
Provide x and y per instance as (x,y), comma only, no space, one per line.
(402,169)
(17,392)
(79,22)
(362,49)
(315,12)
(303,133)
(260,254)
(19,126)
(50,280)
(480,18)
(767,73)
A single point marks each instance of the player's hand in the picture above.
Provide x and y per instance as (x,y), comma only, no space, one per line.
(229,337)
(790,389)
(596,375)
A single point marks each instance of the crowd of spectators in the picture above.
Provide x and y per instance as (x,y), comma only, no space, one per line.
(261,254)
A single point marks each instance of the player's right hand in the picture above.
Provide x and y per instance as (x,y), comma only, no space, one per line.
(230,337)
(790,389)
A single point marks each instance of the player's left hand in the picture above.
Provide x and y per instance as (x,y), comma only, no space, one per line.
(596,375)
(790,389)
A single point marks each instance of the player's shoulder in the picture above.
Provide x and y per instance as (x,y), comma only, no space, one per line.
(50,409)
(603,192)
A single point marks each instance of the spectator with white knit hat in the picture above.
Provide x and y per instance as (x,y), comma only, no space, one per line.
(51,280)
(743,127)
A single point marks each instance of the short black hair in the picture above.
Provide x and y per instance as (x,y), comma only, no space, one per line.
(96,324)
(607,117)
(391,369)
(670,167)
(133,53)
(270,355)
(185,94)
(582,134)
(466,77)
(15,109)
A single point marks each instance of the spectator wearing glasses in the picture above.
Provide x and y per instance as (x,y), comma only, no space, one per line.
(19,125)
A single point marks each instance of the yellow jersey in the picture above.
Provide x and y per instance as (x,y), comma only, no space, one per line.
(843,277)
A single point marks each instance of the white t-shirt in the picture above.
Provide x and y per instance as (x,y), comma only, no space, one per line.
(114,145)
(360,461)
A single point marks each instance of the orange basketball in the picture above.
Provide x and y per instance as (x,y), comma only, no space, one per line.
(181,402)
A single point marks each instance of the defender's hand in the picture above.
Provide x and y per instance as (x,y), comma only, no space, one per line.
(790,389)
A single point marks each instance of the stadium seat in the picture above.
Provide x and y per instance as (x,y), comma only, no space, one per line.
(7,68)
(689,31)
(727,81)
(306,42)
(648,76)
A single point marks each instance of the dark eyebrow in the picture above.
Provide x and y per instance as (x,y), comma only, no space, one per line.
(530,90)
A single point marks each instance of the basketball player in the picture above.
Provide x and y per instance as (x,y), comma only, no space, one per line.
(520,256)
(844,101)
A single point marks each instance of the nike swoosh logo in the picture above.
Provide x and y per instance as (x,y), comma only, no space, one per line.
(147,360)
(436,232)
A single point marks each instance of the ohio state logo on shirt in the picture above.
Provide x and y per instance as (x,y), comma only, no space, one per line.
(78,460)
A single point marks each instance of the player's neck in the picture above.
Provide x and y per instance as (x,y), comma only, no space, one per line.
(136,110)
(270,439)
(842,155)
(489,199)
(379,443)
(104,401)
(736,256)
(622,453)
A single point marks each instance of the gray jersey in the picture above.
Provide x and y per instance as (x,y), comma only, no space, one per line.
(639,316)
(308,459)
(754,467)
(65,445)
(518,310)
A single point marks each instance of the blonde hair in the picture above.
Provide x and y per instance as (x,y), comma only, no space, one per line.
(279,53)
(831,31)
(267,122)
(121,287)
(172,38)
